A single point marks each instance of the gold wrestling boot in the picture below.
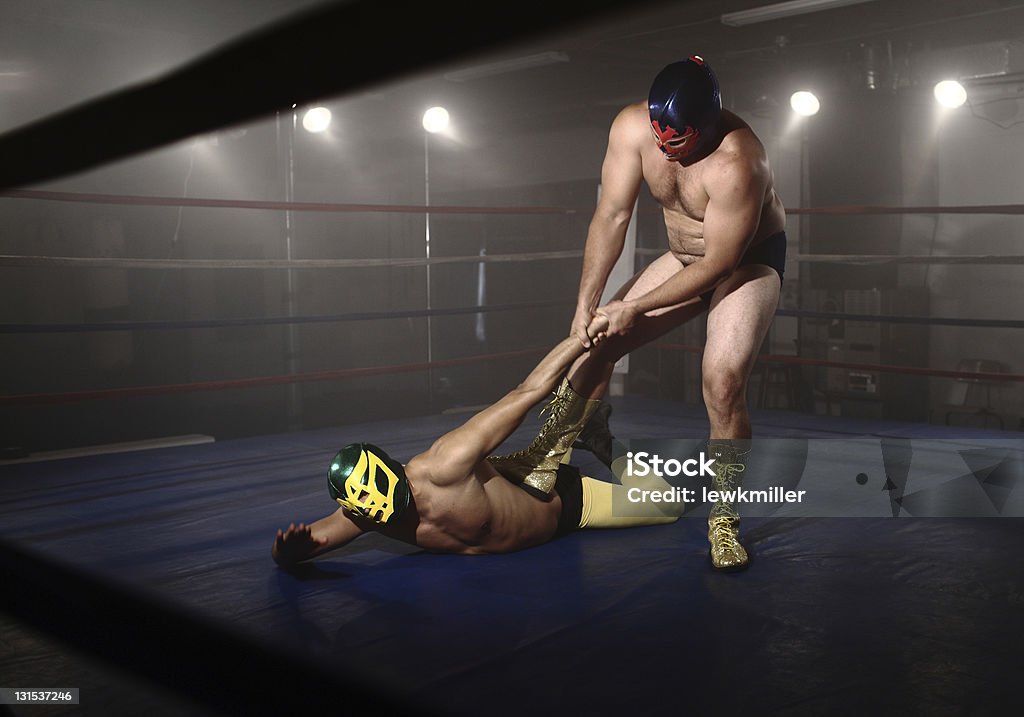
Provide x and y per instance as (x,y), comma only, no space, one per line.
(724,521)
(596,436)
(536,467)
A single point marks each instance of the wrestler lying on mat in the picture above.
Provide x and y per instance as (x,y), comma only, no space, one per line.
(452,499)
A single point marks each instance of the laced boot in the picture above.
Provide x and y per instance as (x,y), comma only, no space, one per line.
(596,436)
(724,521)
(536,467)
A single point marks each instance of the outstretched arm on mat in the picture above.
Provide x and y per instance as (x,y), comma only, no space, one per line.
(302,542)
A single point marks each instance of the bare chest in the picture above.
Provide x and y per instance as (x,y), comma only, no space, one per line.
(676,188)
(680,192)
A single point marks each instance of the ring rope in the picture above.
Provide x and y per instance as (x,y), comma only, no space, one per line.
(260,381)
(930,321)
(882,368)
(197,657)
(1012,259)
(1015,259)
(847,209)
(159,201)
(96,327)
(257,381)
(155,201)
(317,53)
(81,262)
(266,321)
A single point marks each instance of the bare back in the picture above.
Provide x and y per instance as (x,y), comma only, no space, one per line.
(482,514)
(682,190)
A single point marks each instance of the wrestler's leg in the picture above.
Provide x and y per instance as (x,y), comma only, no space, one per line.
(591,373)
(741,311)
(535,468)
(599,507)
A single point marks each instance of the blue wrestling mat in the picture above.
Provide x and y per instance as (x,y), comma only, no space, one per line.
(145,579)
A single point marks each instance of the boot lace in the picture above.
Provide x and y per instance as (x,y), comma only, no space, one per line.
(724,533)
(729,473)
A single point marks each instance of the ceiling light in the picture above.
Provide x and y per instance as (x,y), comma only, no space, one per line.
(316,119)
(950,93)
(804,103)
(435,120)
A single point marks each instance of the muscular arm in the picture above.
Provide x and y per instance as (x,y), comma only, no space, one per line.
(621,175)
(735,199)
(453,456)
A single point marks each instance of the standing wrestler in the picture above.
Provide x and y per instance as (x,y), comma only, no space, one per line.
(451,499)
(726,256)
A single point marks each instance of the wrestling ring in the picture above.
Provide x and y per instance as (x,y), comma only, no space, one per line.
(161,426)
